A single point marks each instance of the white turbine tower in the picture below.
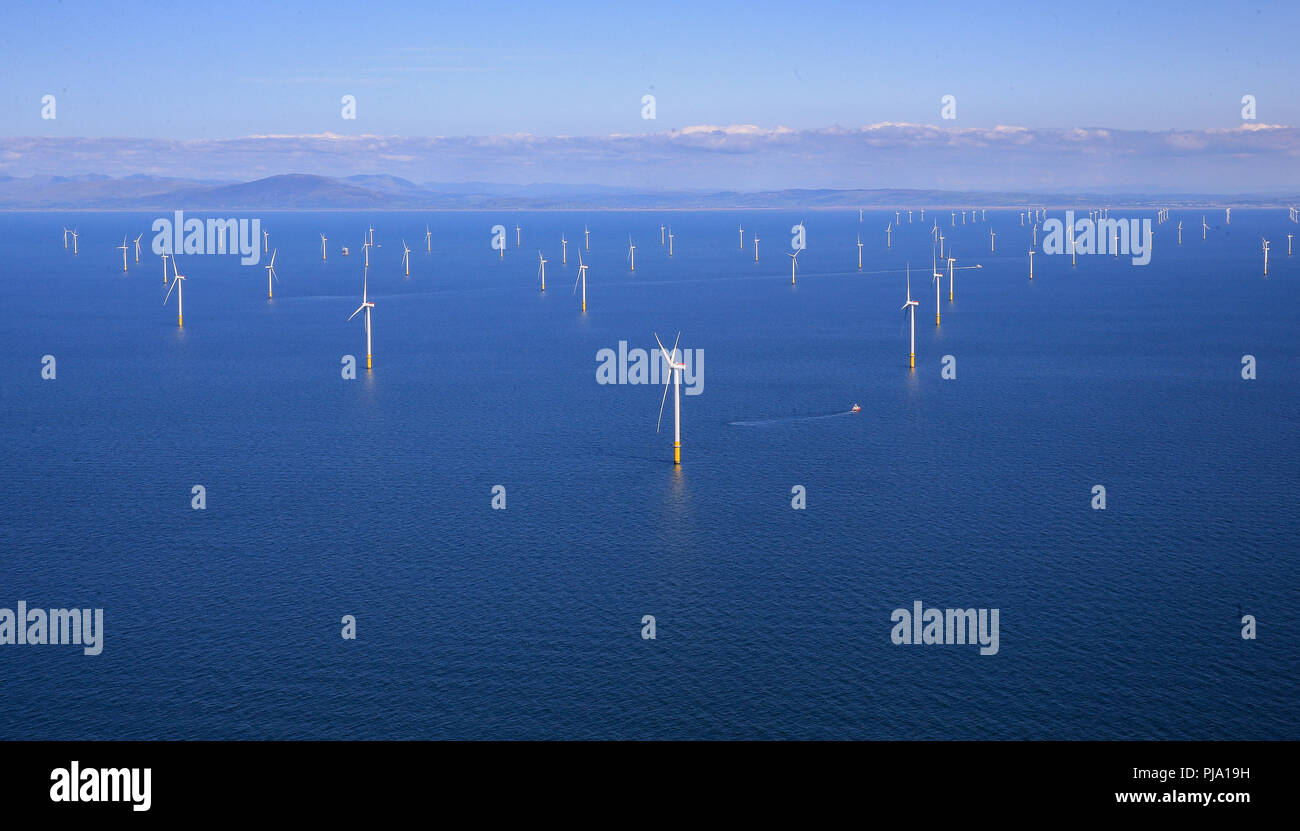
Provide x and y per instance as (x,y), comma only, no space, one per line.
(177,279)
(631,253)
(859,252)
(428,240)
(910,306)
(366,304)
(516,236)
(936,277)
(670,242)
(586,237)
(123,247)
(164,259)
(270,273)
(675,368)
(137,248)
(74,240)
(1031,264)
(755,249)
(564,250)
(794,263)
(991,236)
(66,231)
(582,278)
(541,268)
(889,237)
(406,258)
(1204,227)
(742,237)
(1180,232)
(1265,257)
(322,247)
(266,241)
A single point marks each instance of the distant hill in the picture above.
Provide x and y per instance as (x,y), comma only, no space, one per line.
(298,191)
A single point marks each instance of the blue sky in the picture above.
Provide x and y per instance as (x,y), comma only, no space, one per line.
(236,69)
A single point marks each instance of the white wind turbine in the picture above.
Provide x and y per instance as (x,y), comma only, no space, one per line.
(372,237)
(991,236)
(365,247)
(123,247)
(859,252)
(428,240)
(1265,257)
(1288,244)
(937,278)
(631,253)
(541,268)
(406,258)
(164,259)
(794,263)
(910,306)
(661,234)
(270,273)
(74,240)
(66,231)
(675,368)
(177,279)
(586,237)
(1031,264)
(564,250)
(670,242)
(889,237)
(266,241)
(742,237)
(322,247)
(367,304)
(1180,232)
(1204,227)
(582,278)
(516,237)
(137,248)
(755,249)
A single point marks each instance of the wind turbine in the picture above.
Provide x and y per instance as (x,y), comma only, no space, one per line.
(541,268)
(270,272)
(1227,216)
(564,250)
(1180,232)
(372,237)
(66,231)
(675,368)
(1288,244)
(1265,257)
(406,258)
(428,240)
(859,252)
(911,305)
(755,249)
(586,237)
(1204,227)
(991,236)
(137,248)
(742,237)
(322,248)
(365,247)
(631,253)
(582,277)
(661,234)
(937,278)
(74,240)
(670,242)
(177,279)
(516,237)
(889,237)
(1031,264)
(266,241)
(367,304)
(794,262)
(164,259)
(123,247)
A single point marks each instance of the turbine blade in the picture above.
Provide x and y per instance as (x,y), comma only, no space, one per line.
(359,308)
(664,400)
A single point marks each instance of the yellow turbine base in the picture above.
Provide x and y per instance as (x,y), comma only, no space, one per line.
(677,452)
(179,321)
(911,360)
(368,363)
(936,320)
(584,307)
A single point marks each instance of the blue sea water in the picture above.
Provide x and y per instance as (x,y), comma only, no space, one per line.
(372,497)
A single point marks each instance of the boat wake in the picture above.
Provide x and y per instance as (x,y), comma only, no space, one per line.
(767,422)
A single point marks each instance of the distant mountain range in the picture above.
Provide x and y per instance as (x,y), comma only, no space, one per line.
(373,192)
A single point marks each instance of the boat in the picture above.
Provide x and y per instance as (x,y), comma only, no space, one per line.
(856,409)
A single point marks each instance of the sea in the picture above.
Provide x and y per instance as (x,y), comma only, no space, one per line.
(501,528)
